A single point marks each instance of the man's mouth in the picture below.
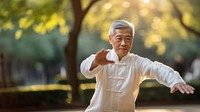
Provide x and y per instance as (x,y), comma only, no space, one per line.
(122,49)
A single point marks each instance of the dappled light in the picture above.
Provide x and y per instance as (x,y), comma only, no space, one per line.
(43,42)
(34,17)
(108,6)
(161,48)
(8,25)
(146,1)
(18,34)
(156,23)
(156,40)
(25,23)
(152,39)
(144,12)
(48,24)
(87,86)
(125,4)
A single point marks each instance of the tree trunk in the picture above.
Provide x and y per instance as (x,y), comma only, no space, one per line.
(71,47)
(47,73)
(70,58)
(2,70)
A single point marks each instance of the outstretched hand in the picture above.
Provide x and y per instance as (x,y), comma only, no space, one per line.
(100,59)
(183,88)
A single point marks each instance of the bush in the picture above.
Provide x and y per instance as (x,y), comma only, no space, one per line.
(47,95)
(158,92)
(33,96)
(86,95)
(153,91)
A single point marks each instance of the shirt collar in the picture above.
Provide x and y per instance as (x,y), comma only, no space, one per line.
(116,58)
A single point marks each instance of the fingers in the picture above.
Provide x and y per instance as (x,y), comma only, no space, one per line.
(183,88)
(100,58)
(103,52)
(187,89)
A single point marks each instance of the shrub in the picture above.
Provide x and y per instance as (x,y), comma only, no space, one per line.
(33,96)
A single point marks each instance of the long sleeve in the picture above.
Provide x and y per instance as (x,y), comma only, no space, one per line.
(85,67)
(162,73)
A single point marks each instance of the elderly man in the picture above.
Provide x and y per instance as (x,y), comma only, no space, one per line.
(119,73)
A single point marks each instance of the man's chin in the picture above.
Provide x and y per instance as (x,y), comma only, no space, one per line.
(123,52)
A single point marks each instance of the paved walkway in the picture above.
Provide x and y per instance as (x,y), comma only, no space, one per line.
(169,108)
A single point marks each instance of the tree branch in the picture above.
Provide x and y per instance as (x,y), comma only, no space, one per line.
(180,17)
(85,11)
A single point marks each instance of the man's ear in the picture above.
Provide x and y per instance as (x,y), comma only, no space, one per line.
(109,39)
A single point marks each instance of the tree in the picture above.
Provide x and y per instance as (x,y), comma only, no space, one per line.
(30,51)
(68,16)
(35,14)
(181,18)
(71,48)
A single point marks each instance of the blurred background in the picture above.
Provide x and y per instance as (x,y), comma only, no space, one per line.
(42,43)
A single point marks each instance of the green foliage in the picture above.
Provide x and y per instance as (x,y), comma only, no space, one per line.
(190,9)
(33,47)
(152,91)
(90,43)
(157,92)
(187,49)
(49,95)
(41,16)
(57,95)
(155,22)
(86,95)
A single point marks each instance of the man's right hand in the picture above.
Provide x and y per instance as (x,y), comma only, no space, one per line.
(100,59)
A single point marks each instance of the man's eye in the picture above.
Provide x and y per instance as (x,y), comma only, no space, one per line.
(128,39)
(118,38)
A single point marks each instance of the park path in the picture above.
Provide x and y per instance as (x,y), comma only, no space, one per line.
(166,108)
(170,108)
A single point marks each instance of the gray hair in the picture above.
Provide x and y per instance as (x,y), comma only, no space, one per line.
(121,24)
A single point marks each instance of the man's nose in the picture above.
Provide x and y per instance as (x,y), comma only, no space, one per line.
(123,43)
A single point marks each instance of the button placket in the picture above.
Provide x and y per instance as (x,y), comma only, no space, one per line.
(118,77)
(115,80)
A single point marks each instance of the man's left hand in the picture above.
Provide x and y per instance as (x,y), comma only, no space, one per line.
(183,88)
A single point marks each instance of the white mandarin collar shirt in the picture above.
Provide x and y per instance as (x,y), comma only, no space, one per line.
(117,85)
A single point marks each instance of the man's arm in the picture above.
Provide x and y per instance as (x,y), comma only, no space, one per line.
(165,75)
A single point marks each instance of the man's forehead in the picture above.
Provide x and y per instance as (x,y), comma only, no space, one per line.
(128,29)
(123,31)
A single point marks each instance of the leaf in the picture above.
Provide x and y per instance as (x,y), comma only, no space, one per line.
(8,25)
(18,34)
(25,23)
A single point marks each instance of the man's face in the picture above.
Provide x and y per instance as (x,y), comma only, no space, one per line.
(121,41)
